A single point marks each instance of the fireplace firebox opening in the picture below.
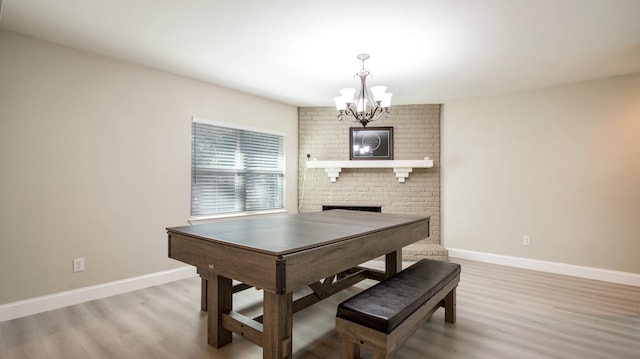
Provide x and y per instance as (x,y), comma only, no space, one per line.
(354,208)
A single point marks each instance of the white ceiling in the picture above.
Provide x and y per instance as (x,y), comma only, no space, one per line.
(301,52)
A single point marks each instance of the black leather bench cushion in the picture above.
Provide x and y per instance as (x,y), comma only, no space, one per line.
(388,303)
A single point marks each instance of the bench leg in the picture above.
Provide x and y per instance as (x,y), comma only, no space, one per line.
(350,350)
(450,307)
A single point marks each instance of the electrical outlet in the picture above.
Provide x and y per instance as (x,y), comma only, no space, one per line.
(526,240)
(78,264)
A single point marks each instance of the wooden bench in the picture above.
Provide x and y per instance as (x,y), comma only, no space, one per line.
(383,316)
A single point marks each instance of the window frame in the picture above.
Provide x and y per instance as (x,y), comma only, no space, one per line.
(204,217)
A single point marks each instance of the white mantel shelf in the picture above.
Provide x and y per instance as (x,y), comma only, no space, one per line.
(401,168)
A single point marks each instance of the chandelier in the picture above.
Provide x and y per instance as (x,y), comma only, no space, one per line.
(368,106)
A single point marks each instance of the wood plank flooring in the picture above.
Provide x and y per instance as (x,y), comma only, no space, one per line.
(503,312)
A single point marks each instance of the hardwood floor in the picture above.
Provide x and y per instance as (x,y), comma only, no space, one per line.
(503,312)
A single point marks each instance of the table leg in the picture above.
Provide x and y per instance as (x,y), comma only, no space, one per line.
(203,294)
(277,325)
(393,262)
(219,301)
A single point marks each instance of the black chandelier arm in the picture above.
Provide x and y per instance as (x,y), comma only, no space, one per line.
(376,112)
(351,114)
(343,115)
(356,115)
(363,117)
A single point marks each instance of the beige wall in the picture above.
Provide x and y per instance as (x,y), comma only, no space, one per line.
(560,164)
(95,162)
(416,134)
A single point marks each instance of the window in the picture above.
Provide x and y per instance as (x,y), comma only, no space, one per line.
(235,170)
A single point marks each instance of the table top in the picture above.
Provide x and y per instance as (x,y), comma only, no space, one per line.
(290,233)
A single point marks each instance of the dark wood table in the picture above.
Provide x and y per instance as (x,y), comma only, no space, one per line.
(284,253)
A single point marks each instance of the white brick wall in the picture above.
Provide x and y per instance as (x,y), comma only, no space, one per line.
(416,134)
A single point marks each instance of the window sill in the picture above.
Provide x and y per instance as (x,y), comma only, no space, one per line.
(216,217)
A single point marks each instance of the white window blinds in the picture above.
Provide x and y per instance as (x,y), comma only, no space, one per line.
(235,170)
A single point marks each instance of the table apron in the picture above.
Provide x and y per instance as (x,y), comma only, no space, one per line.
(315,264)
(249,267)
(287,273)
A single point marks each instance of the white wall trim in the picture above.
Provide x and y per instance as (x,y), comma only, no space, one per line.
(606,275)
(58,300)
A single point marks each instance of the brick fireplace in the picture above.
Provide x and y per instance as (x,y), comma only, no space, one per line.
(416,132)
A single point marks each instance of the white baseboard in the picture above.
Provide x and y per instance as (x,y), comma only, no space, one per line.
(58,300)
(606,275)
